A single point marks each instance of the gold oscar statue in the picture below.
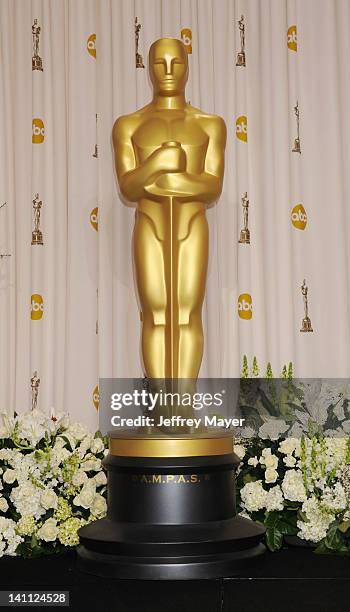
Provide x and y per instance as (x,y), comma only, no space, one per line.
(297,146)
(241,55)
(244,237)
(34,384)
(170,162)
(306,322)
(171,502)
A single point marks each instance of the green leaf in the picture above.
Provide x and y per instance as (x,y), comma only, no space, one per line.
(274,539)
(322,549)
(279,524)
(334,541)
(248,478)
(268,405)
(284,521)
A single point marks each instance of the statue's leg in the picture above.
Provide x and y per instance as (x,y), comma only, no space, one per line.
(192,267)
(151,288)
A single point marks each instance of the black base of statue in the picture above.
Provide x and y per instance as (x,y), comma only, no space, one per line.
(170,519)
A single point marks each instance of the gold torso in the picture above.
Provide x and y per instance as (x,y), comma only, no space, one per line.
(169,162)
(170,126)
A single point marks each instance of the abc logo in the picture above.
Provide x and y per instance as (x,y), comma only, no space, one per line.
(96,397)
(241,128)
(37,307)
(94,218)
(292,41)
(186,37)
(38,131)
(245,306)
(91,45)
(299,216)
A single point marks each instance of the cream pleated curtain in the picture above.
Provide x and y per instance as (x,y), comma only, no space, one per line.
(67,307)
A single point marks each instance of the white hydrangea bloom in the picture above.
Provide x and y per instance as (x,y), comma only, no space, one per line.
(293,487)
(274,499)
(317,521)
(9,540)
(334,498)
(253,496)
(26,499)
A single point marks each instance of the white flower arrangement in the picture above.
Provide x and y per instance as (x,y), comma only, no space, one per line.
(51,483)
(298,487)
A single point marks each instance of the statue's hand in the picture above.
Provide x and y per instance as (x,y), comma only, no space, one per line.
(169,159)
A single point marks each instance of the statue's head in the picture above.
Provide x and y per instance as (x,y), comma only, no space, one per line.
(168,66)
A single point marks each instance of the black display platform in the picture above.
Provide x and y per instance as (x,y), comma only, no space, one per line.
(171,518)
(286,581)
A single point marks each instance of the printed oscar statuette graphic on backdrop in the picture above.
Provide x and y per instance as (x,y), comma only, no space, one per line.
(34,385)
(38,131)
(96,397)
(138,57)
(186,37)
(194,521)
(296,147)
(37,62)
(94,218)
(91,45)
(244,237)
(37,307)
(306,323)
(292,41)
(241,54)
(37,235)
(299,217)
(95,153)
(242,128)
(245,306)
